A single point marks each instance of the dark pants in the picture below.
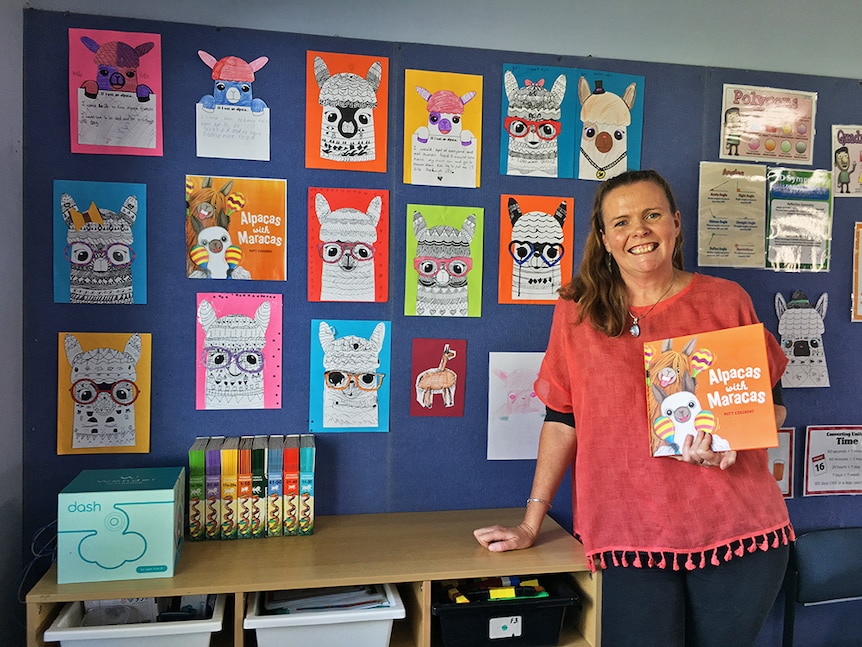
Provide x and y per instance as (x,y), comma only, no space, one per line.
(721,606)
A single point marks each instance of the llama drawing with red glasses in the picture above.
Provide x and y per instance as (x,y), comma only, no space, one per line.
(533,124)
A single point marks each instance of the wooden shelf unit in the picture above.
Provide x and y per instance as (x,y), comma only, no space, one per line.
(410,549)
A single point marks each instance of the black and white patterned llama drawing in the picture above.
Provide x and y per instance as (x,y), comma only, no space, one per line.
(536,249)
(443,262)
(348,100)
(801,328)
(103,391)
(99,251)
(347,238)
(533,124)
(351,377)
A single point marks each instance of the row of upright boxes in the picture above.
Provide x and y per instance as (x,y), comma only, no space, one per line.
(244,487)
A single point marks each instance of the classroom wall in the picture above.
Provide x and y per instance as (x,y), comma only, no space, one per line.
(351,454)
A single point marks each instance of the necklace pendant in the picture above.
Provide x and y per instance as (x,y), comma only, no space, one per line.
(600,174)
(635,330)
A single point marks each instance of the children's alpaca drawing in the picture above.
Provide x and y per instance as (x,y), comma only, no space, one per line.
(445,114)
(348,100)
(801,328)
(533,124)
(520,396)
(117,64)
(439,380)
(351,379)
(606,118)
(537,248)
(681,416)
(233,78)
(442,262)
(233,357)
(347,238)
(99,251)
(103,392)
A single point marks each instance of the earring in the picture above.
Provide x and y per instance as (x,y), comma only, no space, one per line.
(609,261)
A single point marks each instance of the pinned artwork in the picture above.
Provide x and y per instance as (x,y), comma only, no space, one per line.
(103,393)
(349,390)
(99,242)
(239,344)
(231,122)
(515,412)
(115,92)
(346,110)
(439,374)
(801,328)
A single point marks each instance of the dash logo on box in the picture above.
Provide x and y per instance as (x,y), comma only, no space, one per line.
(95,506)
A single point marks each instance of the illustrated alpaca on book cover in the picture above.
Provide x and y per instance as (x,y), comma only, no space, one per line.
(682,415)
(351,379)
(604,138)
(533,124)
(536,248)
(348,100)
(347,238)
(442,262)
(103,392)
(233,357)
(99,251)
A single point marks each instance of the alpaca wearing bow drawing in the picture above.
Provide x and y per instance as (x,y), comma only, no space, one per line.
(536,248)
(351,379)
(347,238)
(681,416)
(606,118)
(533,124)
(801,328)
(440,380)
(348,100)
(103,391)
(442,262)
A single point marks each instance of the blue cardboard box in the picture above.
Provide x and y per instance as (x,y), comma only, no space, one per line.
(120,524)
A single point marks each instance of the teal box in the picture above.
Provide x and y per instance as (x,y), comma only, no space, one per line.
(120,524)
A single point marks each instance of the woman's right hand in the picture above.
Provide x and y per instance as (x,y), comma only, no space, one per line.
(498,539)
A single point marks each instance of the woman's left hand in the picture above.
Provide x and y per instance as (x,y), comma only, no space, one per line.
(698,450)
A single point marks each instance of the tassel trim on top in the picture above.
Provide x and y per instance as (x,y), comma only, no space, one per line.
(692,560)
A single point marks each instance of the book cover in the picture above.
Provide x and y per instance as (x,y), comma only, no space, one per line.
(212,524)
(274,486)
(229,476)
(717,382)
(197,488)
(258,486)
(307,457)
(291,484)
(243,489)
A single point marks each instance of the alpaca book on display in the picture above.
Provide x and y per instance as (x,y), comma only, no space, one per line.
(717,382)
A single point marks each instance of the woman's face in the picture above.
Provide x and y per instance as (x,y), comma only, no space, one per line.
(639,229)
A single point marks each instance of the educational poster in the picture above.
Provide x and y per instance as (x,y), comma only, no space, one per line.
(847,161)
(348,245)
(232,122)
(731,215)
(236,228)
(103,393)
(346,111)
(799,211)
(611,120)
(115,92)
(442,128)
(833,460)
(781,461)
(539,108)
(800,329)
(349,376)
(444,261)
(515,413)
(856,314)
(238,346)
(536,242)
(100,242)
(767,124)
(439,372)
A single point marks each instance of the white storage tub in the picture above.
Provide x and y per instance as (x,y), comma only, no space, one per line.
(357,627)
(67,630)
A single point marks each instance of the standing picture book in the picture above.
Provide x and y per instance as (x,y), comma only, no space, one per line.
(717,382)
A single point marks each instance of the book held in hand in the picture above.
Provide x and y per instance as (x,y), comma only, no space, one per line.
(717,382)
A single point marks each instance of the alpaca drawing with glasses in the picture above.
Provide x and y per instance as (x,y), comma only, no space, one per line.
(536,248)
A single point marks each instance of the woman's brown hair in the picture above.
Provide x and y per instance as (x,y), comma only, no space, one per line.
(598,287)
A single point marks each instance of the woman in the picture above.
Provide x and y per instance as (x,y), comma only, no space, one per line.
(693,551)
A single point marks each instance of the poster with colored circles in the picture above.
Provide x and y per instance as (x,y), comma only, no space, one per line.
(767,124)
